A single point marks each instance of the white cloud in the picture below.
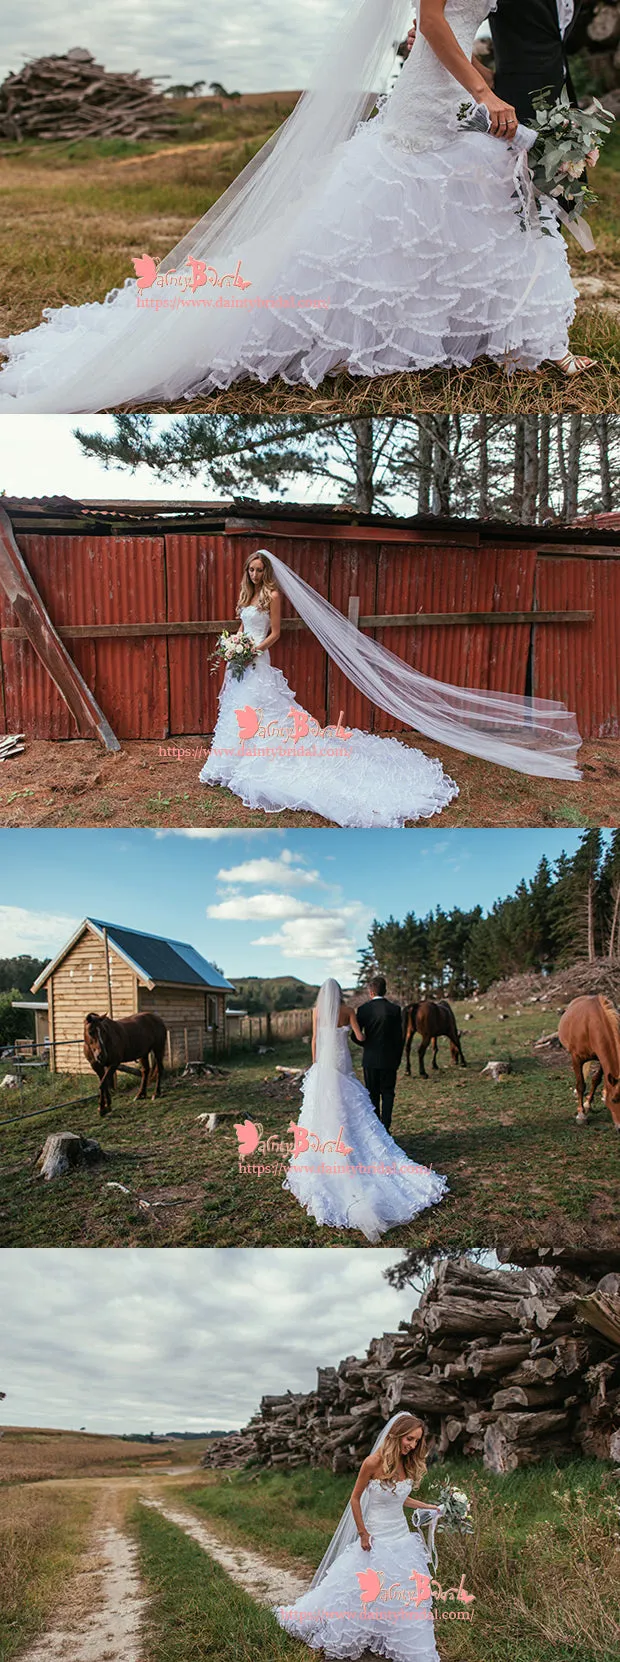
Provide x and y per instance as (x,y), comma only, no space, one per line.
(247,47)
(126,1341)
(245,907)
(330,938)
(282,870)
(39,934)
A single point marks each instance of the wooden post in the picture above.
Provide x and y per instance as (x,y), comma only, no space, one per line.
(169,1049)
(24,597)
(52,1034)
(107,974)
(186,1046)
(353,610)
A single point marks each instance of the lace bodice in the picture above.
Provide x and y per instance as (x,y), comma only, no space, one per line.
(421,111)
(256,623)
(383,1509)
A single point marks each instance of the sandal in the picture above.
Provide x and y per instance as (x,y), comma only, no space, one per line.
(570,365)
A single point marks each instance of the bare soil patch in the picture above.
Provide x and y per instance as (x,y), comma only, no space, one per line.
(75,783)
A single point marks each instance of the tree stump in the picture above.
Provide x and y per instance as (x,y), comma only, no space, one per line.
(66,1151)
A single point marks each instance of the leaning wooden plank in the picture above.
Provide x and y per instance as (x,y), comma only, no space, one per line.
(26,601)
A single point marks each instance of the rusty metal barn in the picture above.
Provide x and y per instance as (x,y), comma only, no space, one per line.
(137,592)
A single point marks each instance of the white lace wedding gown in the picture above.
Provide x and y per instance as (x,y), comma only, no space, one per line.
(332,1618)
(374,1186)
(360,781)
(408,252)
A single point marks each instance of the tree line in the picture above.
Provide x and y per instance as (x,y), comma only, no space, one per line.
(532,468)
(569,910)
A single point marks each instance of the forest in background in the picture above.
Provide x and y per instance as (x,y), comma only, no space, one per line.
(569,910)
(533,469)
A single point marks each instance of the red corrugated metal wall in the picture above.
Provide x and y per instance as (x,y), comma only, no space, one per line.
(581,666)
(150,687)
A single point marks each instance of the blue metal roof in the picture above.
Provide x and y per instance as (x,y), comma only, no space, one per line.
(160,959)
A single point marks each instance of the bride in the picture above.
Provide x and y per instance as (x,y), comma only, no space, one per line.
(357,780)
(273,755)
(347,1171)
(371,245)
(373,1534)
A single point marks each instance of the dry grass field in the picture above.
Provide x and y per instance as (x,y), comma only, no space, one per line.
(74,216)
(32,1454)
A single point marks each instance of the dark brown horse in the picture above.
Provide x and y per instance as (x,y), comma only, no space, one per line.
(590,1031)
(433,1019)
(108,1043)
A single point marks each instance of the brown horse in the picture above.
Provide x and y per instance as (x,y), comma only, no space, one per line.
(108,1043)
(590,1031)
(433,1019)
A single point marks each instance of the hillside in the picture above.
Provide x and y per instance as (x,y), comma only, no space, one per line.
(257,994)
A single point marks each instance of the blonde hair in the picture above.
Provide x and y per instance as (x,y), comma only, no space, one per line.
(414,1462)
(248,595)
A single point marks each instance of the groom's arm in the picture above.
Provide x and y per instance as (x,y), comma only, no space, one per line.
(360,1022)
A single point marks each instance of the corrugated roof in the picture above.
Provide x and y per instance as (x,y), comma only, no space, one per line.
(204,514)
(160,959)
(154,957)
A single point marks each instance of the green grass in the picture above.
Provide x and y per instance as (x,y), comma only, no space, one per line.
(196,1613)
(520,1170)
(42,1533)
(543,1561)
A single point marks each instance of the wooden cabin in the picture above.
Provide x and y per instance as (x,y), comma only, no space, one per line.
(117,971)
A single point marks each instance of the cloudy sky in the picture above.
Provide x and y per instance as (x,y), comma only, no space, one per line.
(255,902)
(180,1339)
(250,47)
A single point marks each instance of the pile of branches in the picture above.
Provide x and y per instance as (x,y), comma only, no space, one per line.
(72,97)
(514,1366)
(599,975)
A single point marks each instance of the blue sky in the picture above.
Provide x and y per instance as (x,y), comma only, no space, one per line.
(255,902)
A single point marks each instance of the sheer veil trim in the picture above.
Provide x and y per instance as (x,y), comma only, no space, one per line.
(530,735)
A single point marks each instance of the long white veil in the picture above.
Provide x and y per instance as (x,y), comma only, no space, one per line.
(96,356)
(530,735)
(327,1013)
(346,1532)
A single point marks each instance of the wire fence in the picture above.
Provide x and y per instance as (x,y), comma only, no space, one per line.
(38,1078)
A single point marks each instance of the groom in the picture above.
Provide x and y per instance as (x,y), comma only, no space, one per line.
(382,1026)
(531,42)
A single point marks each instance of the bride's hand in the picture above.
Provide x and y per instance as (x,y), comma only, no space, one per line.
(503,117)
(365,1541)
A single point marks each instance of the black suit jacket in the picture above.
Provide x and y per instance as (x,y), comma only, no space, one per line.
(382,1026)
(530,54)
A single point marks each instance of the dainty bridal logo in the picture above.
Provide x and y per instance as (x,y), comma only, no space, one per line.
(195,275)
(298,725)
(376,1589)
(251,1141)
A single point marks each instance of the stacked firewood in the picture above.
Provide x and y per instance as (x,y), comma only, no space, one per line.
(513,1366)
(72,97)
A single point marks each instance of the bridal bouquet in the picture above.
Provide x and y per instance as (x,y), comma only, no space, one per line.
(237,652)
(568,142)
(456,1513)
(561,147)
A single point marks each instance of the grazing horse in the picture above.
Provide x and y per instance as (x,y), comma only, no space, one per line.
(590,1031)
(433,1019)
(108,1043)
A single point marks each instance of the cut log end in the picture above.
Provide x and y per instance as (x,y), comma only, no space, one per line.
(66,1151)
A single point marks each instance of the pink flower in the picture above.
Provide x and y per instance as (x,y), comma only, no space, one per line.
(592,156)
(572,170)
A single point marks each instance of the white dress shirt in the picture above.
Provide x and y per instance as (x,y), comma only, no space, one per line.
(566,12)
